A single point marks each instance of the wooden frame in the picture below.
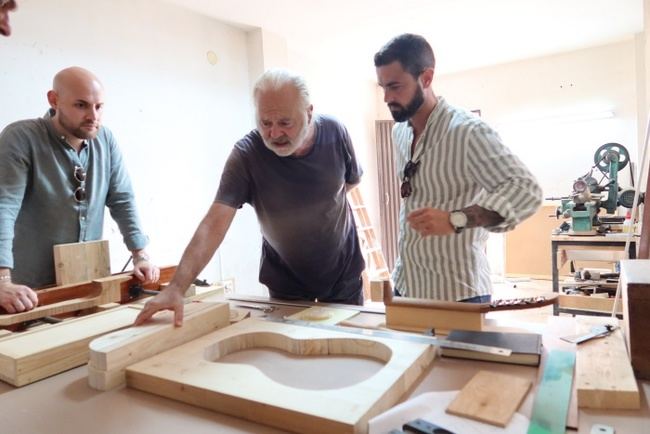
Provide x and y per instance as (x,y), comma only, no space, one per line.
(191,373)
(79,296)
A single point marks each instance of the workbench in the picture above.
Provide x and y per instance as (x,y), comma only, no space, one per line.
(596,243)
(66,404)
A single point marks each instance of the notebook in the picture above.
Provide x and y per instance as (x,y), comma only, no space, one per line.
(526,347)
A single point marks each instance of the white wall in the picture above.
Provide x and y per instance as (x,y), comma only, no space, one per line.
(175,114)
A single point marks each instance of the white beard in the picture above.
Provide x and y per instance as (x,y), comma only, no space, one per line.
(293,146)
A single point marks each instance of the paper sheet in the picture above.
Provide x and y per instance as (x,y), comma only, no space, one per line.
(431,407)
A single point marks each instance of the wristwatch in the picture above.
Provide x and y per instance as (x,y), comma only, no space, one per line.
(458,220)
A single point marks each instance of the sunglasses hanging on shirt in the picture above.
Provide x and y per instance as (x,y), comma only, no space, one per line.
(409,170)
(80,177)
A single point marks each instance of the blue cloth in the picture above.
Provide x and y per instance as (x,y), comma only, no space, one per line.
(310,247)
(37,204)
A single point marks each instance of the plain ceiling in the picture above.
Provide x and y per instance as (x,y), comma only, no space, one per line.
(465,34)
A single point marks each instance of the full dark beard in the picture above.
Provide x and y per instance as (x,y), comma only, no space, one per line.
(403,114)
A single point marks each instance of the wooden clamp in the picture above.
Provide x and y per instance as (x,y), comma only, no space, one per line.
(416,314)
(84,295)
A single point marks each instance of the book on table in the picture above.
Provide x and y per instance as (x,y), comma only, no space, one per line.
(526,347)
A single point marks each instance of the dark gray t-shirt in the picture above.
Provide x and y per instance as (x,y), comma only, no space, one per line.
(310,246)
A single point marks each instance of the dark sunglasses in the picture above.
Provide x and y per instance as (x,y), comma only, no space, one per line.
(409,170)
(80,176)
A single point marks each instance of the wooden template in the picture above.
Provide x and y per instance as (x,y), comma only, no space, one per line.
(112,353)
(490,397)
(81,262)
(416,314)
(85,295)
(604,376)
(191,373)
(32,355)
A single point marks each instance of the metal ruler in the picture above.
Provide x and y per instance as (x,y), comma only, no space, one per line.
(422,339)
(553,394)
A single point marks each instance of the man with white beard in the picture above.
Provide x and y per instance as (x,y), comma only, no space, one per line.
(294,169)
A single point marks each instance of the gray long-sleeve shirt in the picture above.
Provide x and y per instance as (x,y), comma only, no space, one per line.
(37,204)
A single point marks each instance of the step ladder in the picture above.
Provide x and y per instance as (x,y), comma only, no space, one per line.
(376,268)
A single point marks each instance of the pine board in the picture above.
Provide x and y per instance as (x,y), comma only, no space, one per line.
(192,374)
(604,376)
(80,262)
(490,397)
(33,355)
(112,353)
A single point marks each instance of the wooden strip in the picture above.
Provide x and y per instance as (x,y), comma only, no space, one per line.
(192,373)
(604,376)
(81,262)
(490,397)
(111,354)
(30,356)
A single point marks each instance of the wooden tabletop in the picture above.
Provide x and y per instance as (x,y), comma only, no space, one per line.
(66,404)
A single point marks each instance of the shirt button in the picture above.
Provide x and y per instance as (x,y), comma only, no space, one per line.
(83,218)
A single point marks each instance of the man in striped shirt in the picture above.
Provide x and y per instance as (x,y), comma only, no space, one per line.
(458,181)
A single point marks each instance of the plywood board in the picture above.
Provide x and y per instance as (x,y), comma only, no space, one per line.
(490,397)
(80,262)
(520,258)
(32,355)
(604,376)
(192,373)
(635,283)
(112,353)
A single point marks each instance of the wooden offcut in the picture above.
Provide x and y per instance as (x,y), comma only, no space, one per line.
(32,355)
(81,262)
(192,373)
(490,397)
(112,353)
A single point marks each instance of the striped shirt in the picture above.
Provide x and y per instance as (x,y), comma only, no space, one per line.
(462,162)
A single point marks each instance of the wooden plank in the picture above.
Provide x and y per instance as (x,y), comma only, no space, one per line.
(604,376)
(32,355)
(192,373)
(490,397)
(81,262)
(410,318)
(112,353)
(584,302)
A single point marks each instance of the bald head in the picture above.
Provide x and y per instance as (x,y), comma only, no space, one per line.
(77,98)
(75,79)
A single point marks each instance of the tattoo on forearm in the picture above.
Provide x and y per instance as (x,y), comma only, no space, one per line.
(481,217)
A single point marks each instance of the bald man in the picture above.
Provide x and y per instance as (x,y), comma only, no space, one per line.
(6,6)
(57,173)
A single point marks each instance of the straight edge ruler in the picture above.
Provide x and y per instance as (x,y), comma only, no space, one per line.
(551,405)
(421,339)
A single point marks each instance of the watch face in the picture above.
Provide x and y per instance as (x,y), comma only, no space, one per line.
(458,219)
